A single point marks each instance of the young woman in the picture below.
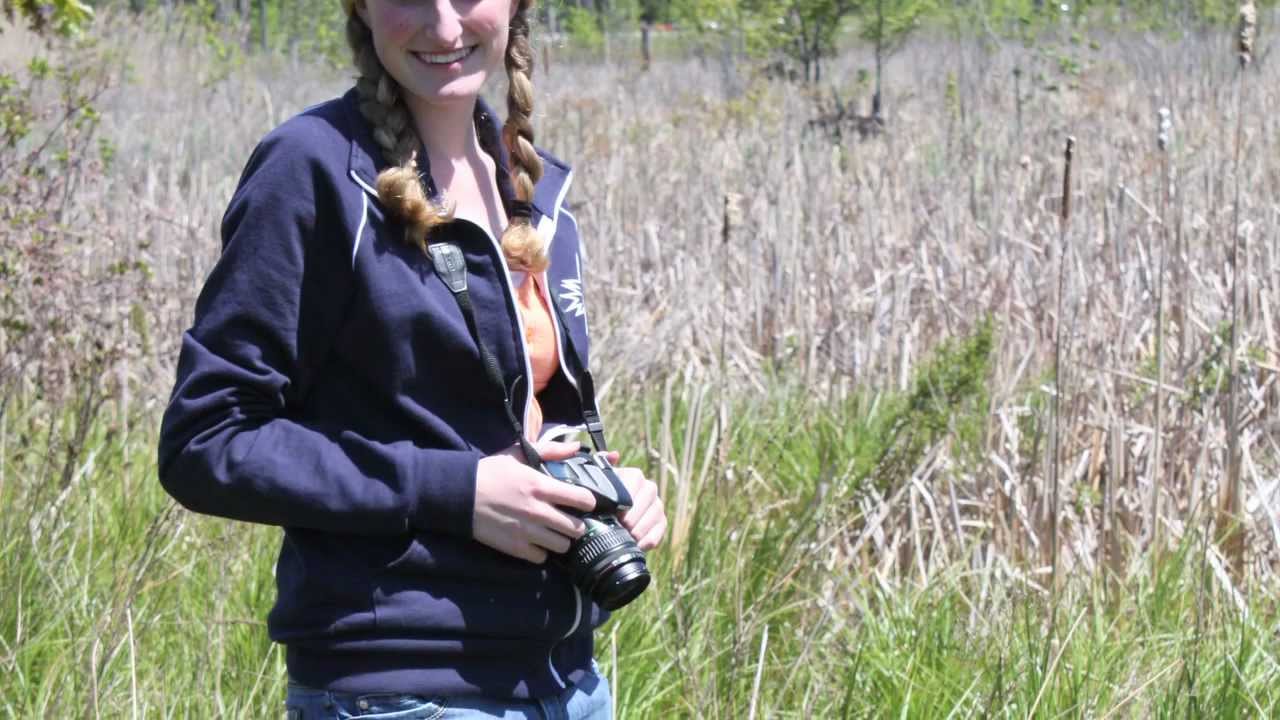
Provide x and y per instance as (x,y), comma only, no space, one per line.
(333,385)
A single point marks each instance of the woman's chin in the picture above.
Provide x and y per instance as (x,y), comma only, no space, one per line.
(457,90)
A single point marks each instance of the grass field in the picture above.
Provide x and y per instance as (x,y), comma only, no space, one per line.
(853,422)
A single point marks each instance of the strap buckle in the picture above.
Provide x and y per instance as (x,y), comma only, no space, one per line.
(595,428)
(450,265)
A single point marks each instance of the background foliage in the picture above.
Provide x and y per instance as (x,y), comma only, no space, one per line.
(851,420)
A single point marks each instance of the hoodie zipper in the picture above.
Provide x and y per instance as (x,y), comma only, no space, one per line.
(578,599)
(545,287)
(555,323)
(515,310)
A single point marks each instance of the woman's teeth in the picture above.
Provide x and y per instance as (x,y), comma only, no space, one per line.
(444,58)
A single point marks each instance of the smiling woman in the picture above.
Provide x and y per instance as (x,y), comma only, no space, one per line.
(334,385)
(451,60)
(439,52)
(400,48)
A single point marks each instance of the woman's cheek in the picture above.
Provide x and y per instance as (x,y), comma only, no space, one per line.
(490,20)
(491,16)
(393,24)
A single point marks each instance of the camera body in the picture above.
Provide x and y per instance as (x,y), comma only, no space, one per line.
(605,562)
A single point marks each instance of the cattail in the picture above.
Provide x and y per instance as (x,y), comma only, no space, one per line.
(1229,510)
(1064,217)
(1017,101)
(732,215)
(732,219)
(1055,460)
(1066,178)
(1247,33)
(1164,136)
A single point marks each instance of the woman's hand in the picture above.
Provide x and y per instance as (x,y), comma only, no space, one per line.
(646,520)
(515,509)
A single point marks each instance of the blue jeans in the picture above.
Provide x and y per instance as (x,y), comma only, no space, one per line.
(587,700)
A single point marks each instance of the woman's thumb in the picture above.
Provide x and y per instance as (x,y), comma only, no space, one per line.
(555,450)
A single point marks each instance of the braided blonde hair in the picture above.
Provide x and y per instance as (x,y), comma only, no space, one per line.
(520,242)
(381,105)
(398,186)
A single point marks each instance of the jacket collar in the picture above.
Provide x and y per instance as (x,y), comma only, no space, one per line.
(365,159)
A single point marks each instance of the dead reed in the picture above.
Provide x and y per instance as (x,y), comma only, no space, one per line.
(845,264)
(1055,458)
(1230,521)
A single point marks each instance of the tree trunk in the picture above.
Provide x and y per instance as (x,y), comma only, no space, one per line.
(806,52)
(262,23)
(553,29)
(244,24)
(816,51)
(645,50)
(875,98)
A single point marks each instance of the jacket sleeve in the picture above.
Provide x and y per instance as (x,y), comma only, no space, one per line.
(229,443)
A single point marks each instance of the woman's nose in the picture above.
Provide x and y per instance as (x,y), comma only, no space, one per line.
(444,25)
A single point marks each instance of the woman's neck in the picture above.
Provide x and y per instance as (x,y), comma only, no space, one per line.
(459,166)
(447,131)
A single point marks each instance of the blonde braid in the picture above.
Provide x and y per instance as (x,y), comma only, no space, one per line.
(399,188)
(521,244)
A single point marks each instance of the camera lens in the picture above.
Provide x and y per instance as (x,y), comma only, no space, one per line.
(607,563)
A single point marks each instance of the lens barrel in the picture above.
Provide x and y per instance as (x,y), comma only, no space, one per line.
(607,563)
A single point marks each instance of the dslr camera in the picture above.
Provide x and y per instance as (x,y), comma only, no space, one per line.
(605,562)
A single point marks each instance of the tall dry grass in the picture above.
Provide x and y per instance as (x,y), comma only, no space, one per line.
(851,260)
(846,264)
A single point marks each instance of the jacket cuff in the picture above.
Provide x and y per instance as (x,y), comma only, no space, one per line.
(442,491)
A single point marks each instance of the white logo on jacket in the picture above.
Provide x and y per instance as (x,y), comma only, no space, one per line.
(571,292)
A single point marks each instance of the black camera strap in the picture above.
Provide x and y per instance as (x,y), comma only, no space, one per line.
(451,266)
(586,386)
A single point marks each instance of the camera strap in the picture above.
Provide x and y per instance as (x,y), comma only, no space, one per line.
(451,266)
(586,386)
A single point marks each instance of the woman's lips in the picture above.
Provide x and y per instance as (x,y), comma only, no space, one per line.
(445,58)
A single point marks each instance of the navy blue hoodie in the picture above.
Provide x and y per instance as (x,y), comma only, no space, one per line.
(329,385)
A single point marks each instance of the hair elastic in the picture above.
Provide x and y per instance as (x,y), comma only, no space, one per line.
(521,209)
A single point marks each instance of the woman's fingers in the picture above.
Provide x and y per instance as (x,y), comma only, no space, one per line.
(643,491)
(548,539)
(563,494)
(532,553)
(653,536)
(559,521)
(647,519)
(526,514)
(555,450)
(639,520)
(516,508)
(529,541)
(514,544)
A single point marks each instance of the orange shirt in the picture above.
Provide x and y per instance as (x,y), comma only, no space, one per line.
(540,339)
